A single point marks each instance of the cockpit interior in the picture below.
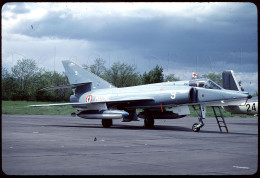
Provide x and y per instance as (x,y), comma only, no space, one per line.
(204,83)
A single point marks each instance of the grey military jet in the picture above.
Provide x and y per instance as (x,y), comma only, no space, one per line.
(95,98)
(251,106)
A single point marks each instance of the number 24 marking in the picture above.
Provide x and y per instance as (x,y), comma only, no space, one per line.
(253,107)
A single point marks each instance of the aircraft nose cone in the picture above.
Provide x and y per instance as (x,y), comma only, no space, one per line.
(249,96)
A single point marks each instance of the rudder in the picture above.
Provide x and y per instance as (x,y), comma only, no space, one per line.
(76,74)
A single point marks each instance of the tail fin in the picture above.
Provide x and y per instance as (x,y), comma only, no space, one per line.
(76,75)
(229,81)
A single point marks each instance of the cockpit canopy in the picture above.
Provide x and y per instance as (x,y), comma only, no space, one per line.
(204,83)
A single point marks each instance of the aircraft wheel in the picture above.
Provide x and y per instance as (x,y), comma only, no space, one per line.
(148,120)
(107,123)
(195,128)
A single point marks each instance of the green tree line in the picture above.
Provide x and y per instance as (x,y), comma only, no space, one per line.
(26,79)
(125,75)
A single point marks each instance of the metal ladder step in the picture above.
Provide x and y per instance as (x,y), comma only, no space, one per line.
(219,117)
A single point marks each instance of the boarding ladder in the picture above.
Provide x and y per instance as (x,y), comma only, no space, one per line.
(220,118)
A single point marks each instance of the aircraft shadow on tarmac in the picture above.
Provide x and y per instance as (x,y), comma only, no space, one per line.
(129,127)
(244,123)
(156,127)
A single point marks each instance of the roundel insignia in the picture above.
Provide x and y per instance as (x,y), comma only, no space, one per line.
(89,98)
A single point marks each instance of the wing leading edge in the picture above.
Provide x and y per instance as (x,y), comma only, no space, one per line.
(95,102)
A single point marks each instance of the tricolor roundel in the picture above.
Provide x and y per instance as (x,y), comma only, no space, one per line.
(89,98)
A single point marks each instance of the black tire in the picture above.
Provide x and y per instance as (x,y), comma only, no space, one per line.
(148,120)
(107,123)
(195,128)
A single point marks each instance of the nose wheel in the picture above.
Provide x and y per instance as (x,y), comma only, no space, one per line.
(195,127)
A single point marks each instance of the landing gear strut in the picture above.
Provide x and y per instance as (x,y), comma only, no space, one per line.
(196,127)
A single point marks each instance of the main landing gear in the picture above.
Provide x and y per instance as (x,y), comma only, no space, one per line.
(148,119)
(196,127)
(107,123)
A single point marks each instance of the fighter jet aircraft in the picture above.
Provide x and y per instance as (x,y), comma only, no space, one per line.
(251,106)
(95,98)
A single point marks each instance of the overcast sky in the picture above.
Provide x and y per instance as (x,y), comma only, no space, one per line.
(181,37)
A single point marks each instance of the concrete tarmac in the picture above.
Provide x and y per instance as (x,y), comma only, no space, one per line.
(61,145)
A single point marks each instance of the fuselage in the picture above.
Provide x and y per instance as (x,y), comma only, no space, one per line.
(164,95)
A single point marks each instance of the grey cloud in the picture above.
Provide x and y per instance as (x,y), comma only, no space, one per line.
(217,36)
(20,8)
(15,9)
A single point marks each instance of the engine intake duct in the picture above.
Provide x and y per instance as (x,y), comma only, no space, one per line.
(193,95)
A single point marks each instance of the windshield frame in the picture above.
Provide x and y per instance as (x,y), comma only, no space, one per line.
(205,83)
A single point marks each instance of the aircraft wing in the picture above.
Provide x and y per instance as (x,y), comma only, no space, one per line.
(58,104)
(65,86)
(132,99)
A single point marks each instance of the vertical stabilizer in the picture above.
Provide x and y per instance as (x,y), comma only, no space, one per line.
(229,81)
(76,74)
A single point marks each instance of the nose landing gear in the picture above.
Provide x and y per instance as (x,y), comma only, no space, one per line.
(196,127)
